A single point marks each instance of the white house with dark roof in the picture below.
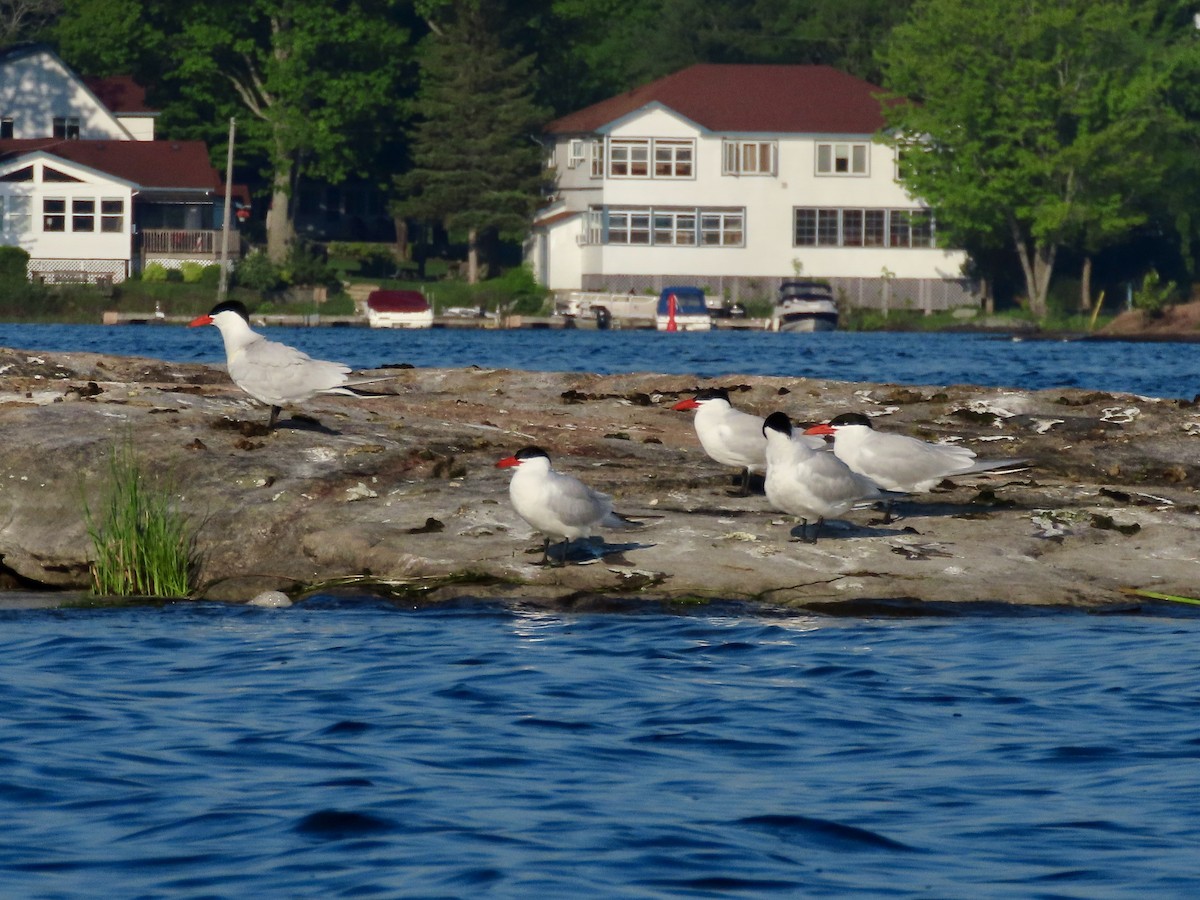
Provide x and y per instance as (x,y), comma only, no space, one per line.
(84,187)
(735,178)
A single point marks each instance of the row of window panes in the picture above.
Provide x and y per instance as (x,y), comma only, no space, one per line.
(17,214)
(863,228)
(674,159)
(63,128)
(680,228)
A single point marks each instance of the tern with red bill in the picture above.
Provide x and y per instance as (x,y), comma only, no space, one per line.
(897,462)
(811,484)
(271,372)
(555,504)
(728,435)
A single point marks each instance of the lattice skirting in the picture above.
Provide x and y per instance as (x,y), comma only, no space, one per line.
(922,294)
(78,271)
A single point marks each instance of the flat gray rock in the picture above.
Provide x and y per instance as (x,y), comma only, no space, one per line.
(399,493)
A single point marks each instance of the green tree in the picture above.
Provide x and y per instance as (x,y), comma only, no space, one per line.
(477,166)
(318,87)
(1033,120)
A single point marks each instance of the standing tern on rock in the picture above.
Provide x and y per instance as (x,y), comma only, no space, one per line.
(557,505)
(271,372)
(897,462)
(728,435)
(812,484)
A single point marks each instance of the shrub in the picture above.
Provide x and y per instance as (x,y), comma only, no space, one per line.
(307,264)
(141,545)
(14,263)
(257,273)
(191,271)
(1153,297)
(154,272)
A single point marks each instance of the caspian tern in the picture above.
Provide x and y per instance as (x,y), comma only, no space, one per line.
(271,372)
(808,483)
(897,462)
(557,505)
(730,436)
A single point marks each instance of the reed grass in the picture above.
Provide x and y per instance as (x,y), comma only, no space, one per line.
(142,545)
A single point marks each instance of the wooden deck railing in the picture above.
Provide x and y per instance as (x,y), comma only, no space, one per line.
(184,242)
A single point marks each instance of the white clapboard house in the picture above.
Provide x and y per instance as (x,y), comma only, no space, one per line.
(735,178)
(84,186)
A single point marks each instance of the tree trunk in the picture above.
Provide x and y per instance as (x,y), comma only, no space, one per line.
(280,230)
(402,249)
(1037,265)
(1085,285)
(473,256)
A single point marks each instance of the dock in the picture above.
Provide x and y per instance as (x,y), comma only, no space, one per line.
(316,320)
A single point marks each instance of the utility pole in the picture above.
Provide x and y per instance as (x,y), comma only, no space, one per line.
(223,284)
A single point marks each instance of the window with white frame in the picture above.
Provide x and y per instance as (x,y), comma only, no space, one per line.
(83,214)
(66,127)
(594,228)
(722,229)
(574,154)
(674,226)
(112,216)
(673,159)
(18,214)
(749,158)
(597,159)
(842,159)
(824,227)
(631,158)
(54,214)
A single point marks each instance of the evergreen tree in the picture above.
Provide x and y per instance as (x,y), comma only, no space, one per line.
(477,164)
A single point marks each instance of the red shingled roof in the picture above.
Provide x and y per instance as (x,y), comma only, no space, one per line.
(181,165)
(120,93)
(747,98)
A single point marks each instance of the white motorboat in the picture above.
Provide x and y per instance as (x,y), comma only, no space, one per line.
(804,306)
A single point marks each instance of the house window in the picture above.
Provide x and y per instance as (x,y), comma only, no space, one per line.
(673,227)
(864,228)
(574,154)
(629,159)
(626,226)
(678,228)
(18,214)
(112,216)
(66,127)
(749,158)
(594,233)
(54,214)
(6,128)
(722,229)
(597,159)
(83,215)
(673,159)
(842,159)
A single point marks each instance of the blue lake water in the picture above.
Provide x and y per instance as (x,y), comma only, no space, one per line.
(353,747)
(1148,369)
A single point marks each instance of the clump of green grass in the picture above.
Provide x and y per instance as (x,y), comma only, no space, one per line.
(142,545)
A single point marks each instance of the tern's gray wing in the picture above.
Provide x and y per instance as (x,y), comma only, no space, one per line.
(276,373)
(574,503)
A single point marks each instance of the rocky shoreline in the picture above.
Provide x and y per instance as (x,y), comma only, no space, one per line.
(399,495)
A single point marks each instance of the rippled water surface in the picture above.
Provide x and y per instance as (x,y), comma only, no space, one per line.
(355,748)
(1149,369)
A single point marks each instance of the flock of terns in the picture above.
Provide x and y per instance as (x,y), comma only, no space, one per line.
(817,474)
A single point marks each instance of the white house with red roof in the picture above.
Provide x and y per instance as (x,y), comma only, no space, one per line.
(734,178)
(84,186)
